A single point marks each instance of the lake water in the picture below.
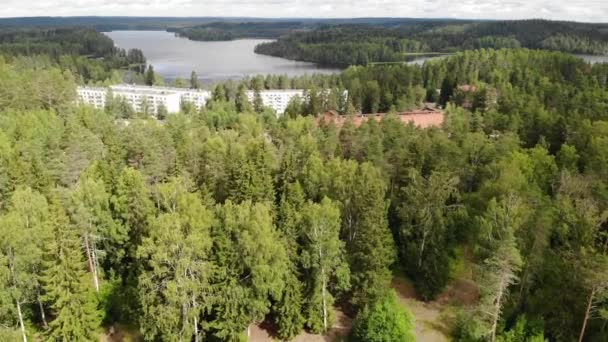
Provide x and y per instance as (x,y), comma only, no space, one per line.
(174,57)
(593,59)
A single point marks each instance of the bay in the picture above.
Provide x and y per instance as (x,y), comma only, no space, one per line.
(174,57)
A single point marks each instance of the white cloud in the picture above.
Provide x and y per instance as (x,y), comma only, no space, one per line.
(579,10)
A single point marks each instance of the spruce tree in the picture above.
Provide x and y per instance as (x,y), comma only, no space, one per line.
(150,77)
(194,82)
(66,284)
(288,310)
(371,247)
(252,263)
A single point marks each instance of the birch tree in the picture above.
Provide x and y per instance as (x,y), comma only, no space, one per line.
(174,286)
(90,212)
(323,257)
(24,230)
(597,286)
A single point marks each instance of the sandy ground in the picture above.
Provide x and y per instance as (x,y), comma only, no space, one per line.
(339,330)
(428,323)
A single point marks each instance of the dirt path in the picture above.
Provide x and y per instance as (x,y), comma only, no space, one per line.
(432,318)
(338,332)
(428,321)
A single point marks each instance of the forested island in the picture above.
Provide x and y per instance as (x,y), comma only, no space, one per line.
(206,225)
(222,31)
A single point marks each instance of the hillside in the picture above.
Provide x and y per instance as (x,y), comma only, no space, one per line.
(345,45)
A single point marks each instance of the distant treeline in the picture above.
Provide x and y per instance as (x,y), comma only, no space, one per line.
(344,45)
(221,31)
(163,23)
(86,52)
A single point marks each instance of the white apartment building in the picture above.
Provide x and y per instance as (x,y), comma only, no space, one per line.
(135,95)
(172,98)
(277,99)
(94,96)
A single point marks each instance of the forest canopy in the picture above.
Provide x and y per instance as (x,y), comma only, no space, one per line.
(344,45)
(209,222)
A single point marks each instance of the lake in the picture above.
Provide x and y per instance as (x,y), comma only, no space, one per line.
(592,59)
(174,57)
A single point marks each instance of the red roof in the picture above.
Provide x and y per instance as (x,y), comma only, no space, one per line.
(422,118)
(467,88)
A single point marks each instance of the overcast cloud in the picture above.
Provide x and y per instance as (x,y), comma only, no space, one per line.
(578,10)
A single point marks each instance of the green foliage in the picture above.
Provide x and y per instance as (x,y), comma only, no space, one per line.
(67,286)
(424,233)
(252,266)
(83,51)
(384,320)
(348,44)
(150,76)
(323,260)
(210,222)
(176,265)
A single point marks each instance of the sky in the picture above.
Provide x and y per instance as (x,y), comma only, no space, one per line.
(577,10)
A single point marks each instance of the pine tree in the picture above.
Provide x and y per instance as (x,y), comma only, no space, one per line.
(66,284)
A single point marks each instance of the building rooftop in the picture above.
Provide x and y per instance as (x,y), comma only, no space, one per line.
(424,118)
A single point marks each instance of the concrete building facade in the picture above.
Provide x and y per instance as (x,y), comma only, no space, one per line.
(277,99)
(172,98)
(135,95)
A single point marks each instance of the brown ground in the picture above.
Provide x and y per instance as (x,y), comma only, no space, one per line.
(428,323)
(432,318)
(338,331)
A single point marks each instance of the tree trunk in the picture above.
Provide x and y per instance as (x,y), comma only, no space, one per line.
(497,306)
(324,301)
(21,325)
(42,315)
(91,261)
(587,314)
(424,233)
(195,320)
(11,266)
